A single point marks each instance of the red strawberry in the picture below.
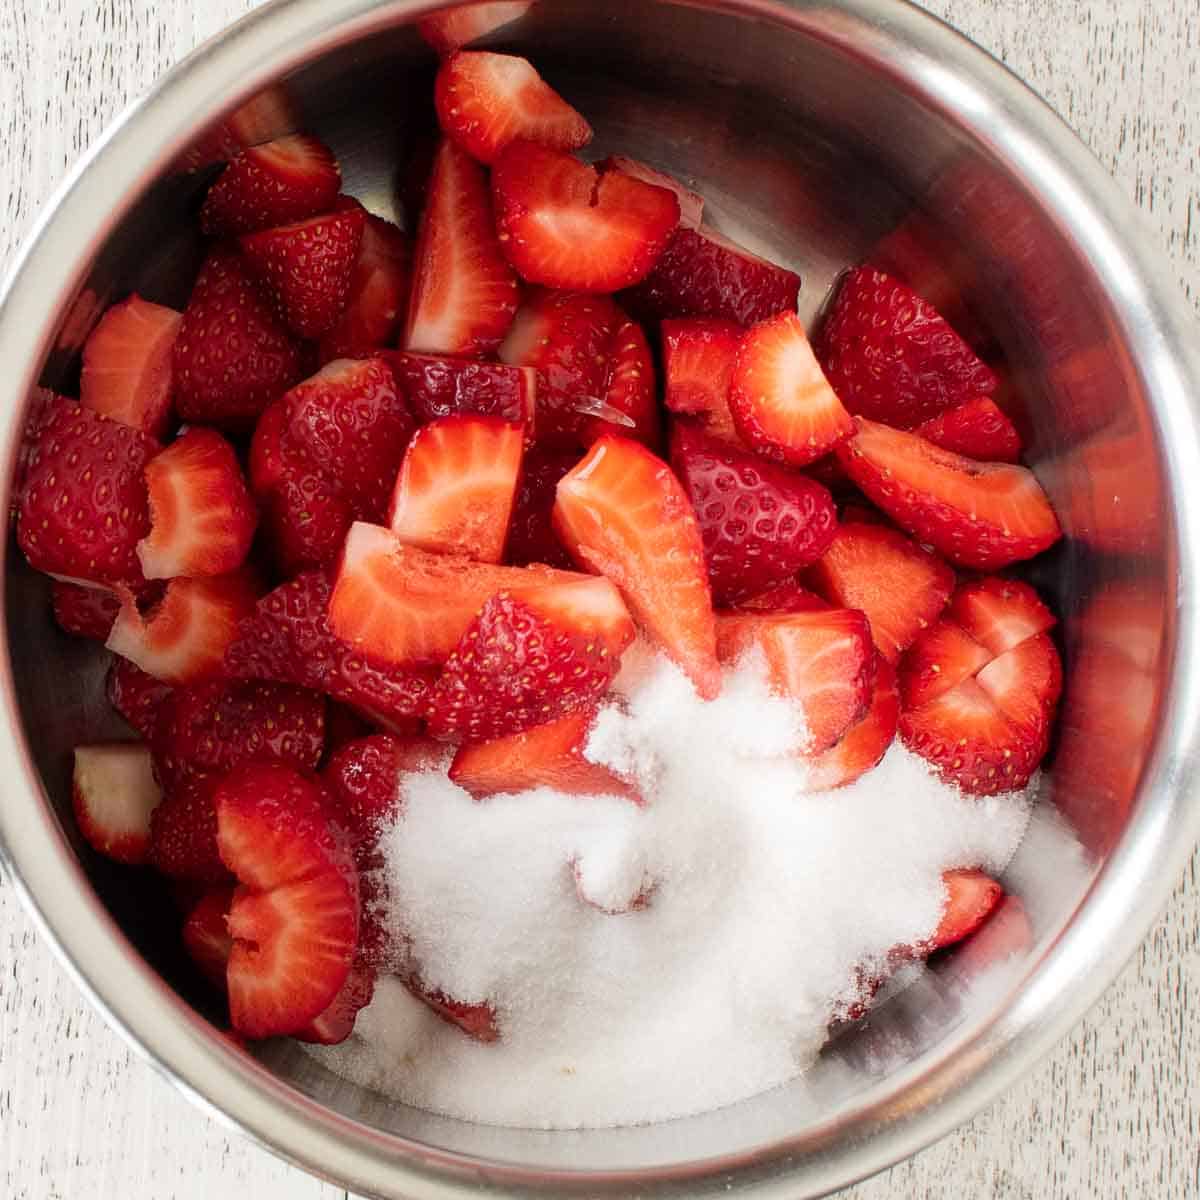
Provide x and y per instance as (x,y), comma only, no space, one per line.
(531,536)
(455,490)
(464,294)
(42,409)
(630,390)
(202,519)
(691,204)
(85,612)
(484,101)
(698,356)
(462,24)
(127,365)
(622,513)
(295,920)
(84,506)
(782,405)
(901,587)
(135,695)
(183,833)
(308,267)
(760,523)
(289,179)
(823,660)
(862,745)
(336,1023)
(305,519)
(971,897)
(981,515)
(206,935)
(444,387)
(944,656)
(232,356)
(268,114)
(113,795)
(1000,613)
(264,463)
(977,429)
(477,1021)
(702,274)
(784,598)
(892,357)
(563,224)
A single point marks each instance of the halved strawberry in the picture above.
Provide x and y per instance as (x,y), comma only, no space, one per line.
(336,1023)
(288,179)
(464,294)
(971,897)
(135,695)
(455,490)
(782,405)
(1000,613)
(622,513)
(863,745)
(760,523)
(484,101)
(202,519)
(85,612)
(206,935)
(183,833)
(892,357)
(978,429)
(477,1021)
(825,661)
(127,365)
(531,536)
(784,598)
(940,659)
(691,204)
(900,586)
(698,357)
(981,515)
(563,224)
(437,386)
(113,794)
(308,266)
(461,24)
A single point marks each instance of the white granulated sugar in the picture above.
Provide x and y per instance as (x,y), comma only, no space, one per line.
(754,907)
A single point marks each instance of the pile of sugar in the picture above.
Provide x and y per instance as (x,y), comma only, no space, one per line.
(764,904)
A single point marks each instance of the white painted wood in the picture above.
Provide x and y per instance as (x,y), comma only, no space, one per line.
(1112,1114)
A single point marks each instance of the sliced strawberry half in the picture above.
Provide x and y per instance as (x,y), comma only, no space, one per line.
(128,365)
(85,612)
(698,357)
(336,1023)
(183,834)
(531,536)
(691,204)
(863,745)
(206,935)
(971,897)
(455,490)
(1000,613)
(981,515)
(978,429)
(135,695)
(940,659)
(114,793)
(437,386)
(485,101)
(477,1021)
(462,24)
(564,225)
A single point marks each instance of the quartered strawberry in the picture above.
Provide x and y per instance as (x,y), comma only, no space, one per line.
(336,1023)
(892,357)
(85,612)
(630,390)
(477,1021)
(232,356)
(308,267)
(863,745)
(698,356)
(824,661)
(564,225)
(691,204)
(113,795)
(978,429)
(981,515)
(1025,684)
(437,386)
(1000,613)
(288,179)
(760,523)
(206,935)
(484,101)
(84,507)
(135,695)
(623,514)
(531,536)
(971,897)
(202,519)
(462,24)
(183,833)
(782,405)
(703,274)
(128,365)
(783,598)
(464,293)
(944,656)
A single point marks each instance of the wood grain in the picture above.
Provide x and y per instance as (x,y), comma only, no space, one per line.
(1113,1112)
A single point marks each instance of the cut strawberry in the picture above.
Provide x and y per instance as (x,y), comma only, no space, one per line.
(206,935)
(630,390)
(760,523)
(269,113)
(127,365)
(202,519)
(698,358)
(308,267)
(971,897)
(531,536)
(135,695)
(484,101)
(477,1021)
(289,179)
(232,356)
(784,598)
(462,24)
(940,659)
(981,515)
(445,387)
(113,794)
(977,429)
(863,745)
(691,204)
(1025,684)
(892,357)
(782,405)
(457,483)
(622,513)
(1000,613)
(43,409)
(264,465)
(85,612)
(183,834)
(825,661)
(563,224)
(464,294)
(702,274)
(901,587)
(336,1023)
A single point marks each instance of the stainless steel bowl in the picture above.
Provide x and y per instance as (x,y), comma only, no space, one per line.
(820,133)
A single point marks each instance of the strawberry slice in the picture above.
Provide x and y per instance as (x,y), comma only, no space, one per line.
(892,357)
(114,794)
(940,659)
(784,598)
(823,660)
(760,523)
(477,1021)
(127,365)
(336,1023)
(135,695)
(971,897)
(691,204)
(782,405)
(531,536)
(1000,613)
(978,429)
(901,587)
(183,834)
(462,24)
(85,612)
(1025,684)
(444,387)
(623,514)
(485,101)
(981,515)
(457,483)
(630,390)
(295,918)
(288,179)
(206,935)
(308,267)
(563,224)
(698,357)
(202,519)
(464,294)
(863,745)
(232,356)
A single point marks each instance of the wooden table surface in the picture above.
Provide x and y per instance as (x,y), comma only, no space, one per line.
(1113,1113)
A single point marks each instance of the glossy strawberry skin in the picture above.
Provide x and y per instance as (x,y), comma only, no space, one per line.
(531,536)
(977,429)
(183,834)
(84,611)
(135,695)
(698,356)
(438,386)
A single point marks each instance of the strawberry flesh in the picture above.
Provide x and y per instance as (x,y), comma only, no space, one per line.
(863,745)
(940,659)
(336,1023)
(783,598)
(477,1021)
(977,429)
(1000,613)
(691,204)
(463,24)
(114,795)
(437,386)
(971,898)
(206,935)
(698,356)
